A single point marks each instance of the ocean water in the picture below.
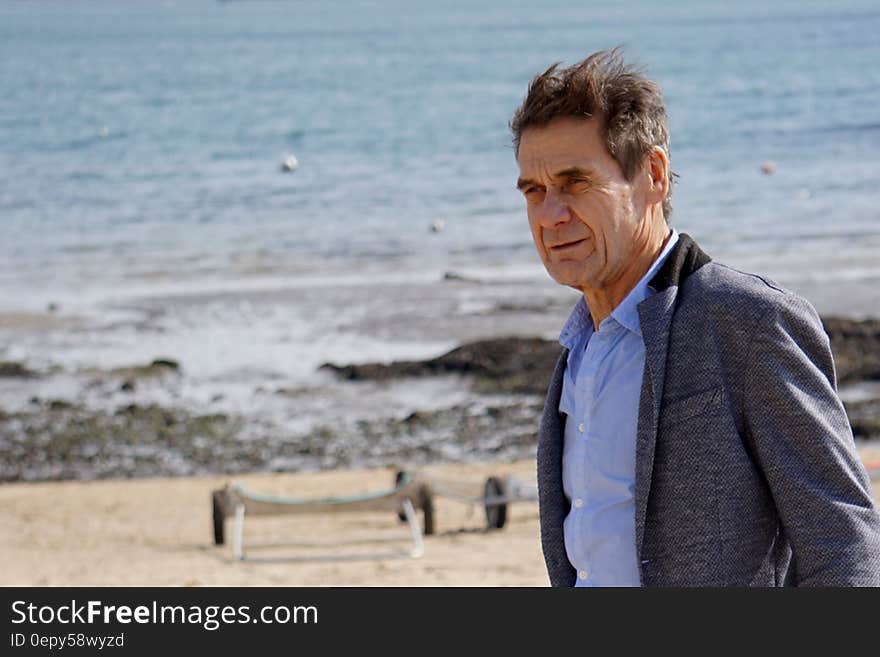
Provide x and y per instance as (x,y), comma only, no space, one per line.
(140,142)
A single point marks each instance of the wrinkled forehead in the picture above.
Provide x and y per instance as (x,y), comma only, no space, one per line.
(563,144)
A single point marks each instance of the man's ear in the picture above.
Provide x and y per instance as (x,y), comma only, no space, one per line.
(657,170)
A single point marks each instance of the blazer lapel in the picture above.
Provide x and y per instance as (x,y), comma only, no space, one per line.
(551,436)
(655,316)
(552,504)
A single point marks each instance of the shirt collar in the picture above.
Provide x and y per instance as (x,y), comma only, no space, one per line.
(626,312)
(578,321)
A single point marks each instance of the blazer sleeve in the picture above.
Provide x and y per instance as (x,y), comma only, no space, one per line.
(799,434)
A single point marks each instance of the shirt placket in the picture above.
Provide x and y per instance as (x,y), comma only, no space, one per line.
(586,389)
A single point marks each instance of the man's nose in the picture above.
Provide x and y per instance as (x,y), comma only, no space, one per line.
(554,211)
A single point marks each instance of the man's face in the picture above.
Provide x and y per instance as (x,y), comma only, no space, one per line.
(586,219)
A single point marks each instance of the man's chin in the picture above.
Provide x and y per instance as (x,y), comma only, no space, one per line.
(566,277)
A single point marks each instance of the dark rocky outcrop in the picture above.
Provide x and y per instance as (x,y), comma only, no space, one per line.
(166,363)
(864,417)
(517,364)
(521,365)
(856,347)
(157,368)
(69,441)
(12,369)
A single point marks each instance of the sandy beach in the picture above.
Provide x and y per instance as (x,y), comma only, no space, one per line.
(158,532)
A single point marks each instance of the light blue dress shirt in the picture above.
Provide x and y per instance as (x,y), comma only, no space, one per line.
(600,399)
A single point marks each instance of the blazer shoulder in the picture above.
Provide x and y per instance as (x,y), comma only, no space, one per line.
(730,295)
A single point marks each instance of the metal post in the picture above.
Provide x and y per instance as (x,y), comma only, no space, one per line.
(238,532)
(415,530)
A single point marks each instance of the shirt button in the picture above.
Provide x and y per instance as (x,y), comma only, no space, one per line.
(578,503)
(583,574)
(581,427)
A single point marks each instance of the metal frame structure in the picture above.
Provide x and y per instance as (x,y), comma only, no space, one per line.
(498,493)
(235,501)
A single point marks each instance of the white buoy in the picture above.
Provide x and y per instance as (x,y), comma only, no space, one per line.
(437,226)
(289,163)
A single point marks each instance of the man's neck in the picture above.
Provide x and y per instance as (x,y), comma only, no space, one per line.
(603,301)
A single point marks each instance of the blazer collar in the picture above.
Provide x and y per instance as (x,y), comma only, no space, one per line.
(686,258)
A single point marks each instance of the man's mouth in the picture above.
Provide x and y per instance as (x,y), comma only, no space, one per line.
(556,248)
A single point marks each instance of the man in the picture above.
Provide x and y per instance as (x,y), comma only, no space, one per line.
(692,433)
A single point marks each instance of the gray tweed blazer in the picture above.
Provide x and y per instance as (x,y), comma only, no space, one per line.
(746,469)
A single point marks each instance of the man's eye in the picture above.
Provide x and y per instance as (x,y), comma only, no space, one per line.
(577,183)
(531,192)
